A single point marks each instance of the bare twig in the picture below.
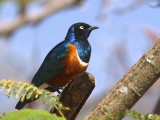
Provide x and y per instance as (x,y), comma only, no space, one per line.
(76,93)
(49,8)
(132,86)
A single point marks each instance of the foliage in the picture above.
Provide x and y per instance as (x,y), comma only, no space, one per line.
(31,92)
(21,3)
(1,1)
(30,114)
(136,115)
(130,113)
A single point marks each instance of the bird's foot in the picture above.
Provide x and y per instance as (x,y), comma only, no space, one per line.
(55,88)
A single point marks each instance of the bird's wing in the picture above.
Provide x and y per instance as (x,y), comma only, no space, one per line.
(51,65)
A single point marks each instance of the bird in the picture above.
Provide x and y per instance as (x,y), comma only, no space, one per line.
(65,61)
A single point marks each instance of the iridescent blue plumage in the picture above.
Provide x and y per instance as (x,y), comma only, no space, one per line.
(81,42)
(70,37)
(53,61)
(66,60)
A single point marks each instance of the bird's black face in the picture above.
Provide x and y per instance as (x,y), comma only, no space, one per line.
(79,30)
(83,29)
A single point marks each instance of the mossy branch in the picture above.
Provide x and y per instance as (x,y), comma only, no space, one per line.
(132,86)
(134,115)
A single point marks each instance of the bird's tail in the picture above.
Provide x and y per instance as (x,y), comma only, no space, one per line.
(20,104)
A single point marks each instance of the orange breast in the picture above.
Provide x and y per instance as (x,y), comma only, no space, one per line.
(72,68)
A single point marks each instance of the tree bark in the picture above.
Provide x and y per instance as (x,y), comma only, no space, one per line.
(49,8)
(132,86)
(75,94)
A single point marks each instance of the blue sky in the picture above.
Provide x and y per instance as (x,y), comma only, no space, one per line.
(124,29)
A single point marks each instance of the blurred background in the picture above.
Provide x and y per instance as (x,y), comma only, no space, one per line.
(29,29)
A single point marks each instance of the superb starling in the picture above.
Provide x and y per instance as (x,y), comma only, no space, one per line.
(66,60)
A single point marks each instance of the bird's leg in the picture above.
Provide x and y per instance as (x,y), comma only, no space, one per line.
(50,89)
(61,88)
(54,88)
(57,88)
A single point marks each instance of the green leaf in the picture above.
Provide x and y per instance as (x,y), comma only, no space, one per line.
(134,115)
(30,114)
(30,92)
(1,1)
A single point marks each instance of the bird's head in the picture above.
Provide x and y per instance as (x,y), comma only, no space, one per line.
(79,30)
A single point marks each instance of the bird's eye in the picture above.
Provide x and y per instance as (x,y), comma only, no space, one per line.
(81,27)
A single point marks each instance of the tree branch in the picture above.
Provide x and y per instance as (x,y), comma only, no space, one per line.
(132,86)
(75,94)
(49,8)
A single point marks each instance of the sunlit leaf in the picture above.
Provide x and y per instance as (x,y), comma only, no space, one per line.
(30,114)
(29,91)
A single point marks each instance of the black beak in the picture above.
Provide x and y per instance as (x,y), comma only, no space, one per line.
(92,28)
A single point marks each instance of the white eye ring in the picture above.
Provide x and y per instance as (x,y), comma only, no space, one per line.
(81,27)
